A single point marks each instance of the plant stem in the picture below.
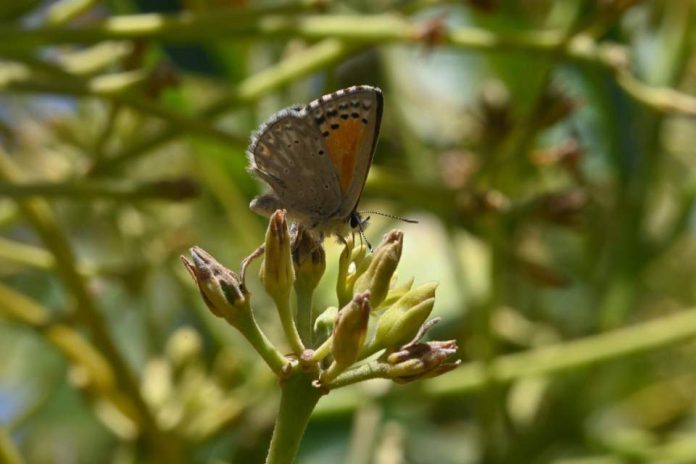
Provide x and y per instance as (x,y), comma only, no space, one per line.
(304,312)
(252,332)
(289,326)
(297,401)
(9,453)
(364,30)
(115,88)
(71,344)
(641,338)
(176,189)
(367,371)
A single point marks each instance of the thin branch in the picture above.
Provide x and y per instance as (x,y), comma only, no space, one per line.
(604,347)
(101,377)
(375,29)
(40,215)
(313,58)
(9,453)
(173,190)
(113,87)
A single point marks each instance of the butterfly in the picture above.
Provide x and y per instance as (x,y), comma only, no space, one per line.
(316,158)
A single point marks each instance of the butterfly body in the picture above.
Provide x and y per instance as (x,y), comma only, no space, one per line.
(316,159)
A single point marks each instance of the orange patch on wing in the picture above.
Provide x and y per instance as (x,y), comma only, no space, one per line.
(342,144)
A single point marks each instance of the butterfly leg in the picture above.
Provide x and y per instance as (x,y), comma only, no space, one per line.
(246,261)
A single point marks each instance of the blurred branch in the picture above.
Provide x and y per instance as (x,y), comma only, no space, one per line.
(376,29)
(9,454)
(40,215)
(26,254)
(39,258)
(99,374)
(63,11)
(250,89)
(173,190)
(112,87)
(640,338)
(661,99)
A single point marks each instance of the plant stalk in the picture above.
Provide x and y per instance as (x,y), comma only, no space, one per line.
(297,402)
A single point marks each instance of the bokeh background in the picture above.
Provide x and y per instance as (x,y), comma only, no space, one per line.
(548,150)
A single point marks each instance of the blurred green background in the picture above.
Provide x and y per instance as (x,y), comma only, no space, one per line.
(548,150)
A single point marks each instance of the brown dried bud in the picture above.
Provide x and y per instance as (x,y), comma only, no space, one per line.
(220,288)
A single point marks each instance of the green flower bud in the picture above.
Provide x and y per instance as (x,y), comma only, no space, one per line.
(220,288)
(360,259)
(309,260)
(350,330)
(401,321)
(397,292)
(324,324)
(377,277)
(348,337)
(277,272)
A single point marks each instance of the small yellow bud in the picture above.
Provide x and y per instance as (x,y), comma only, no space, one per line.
(377,277)
(397,292)
(277,272)
(324,324)
(350,330)
(401,321)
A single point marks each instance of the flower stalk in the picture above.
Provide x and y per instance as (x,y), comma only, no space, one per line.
(331,350)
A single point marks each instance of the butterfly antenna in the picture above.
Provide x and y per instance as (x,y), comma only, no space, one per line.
(362,234)
(363,237)
(398,218)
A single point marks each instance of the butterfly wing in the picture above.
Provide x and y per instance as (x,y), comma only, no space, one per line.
(348,121)
(288,153)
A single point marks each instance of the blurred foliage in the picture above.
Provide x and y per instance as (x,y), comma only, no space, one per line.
(547,149)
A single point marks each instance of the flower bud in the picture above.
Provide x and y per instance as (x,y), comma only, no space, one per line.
(309,260)
(350,330)
(358,257)
(377,277)
(324,324)
(397,292)
(401,321)
(421,360)
(277,273)
(220,288)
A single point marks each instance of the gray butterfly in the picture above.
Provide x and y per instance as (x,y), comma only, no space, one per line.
(315,159)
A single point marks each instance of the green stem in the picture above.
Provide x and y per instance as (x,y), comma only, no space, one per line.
(9,453)
(367,371)
(177,189)
(253,333)
(289,326)
(323,350)
(115,88)
(304,312)
(69,342)
(63,11)
(297,401)
(605,347)
(364,30)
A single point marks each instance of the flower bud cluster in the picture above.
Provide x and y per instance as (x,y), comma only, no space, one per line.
(374,315)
